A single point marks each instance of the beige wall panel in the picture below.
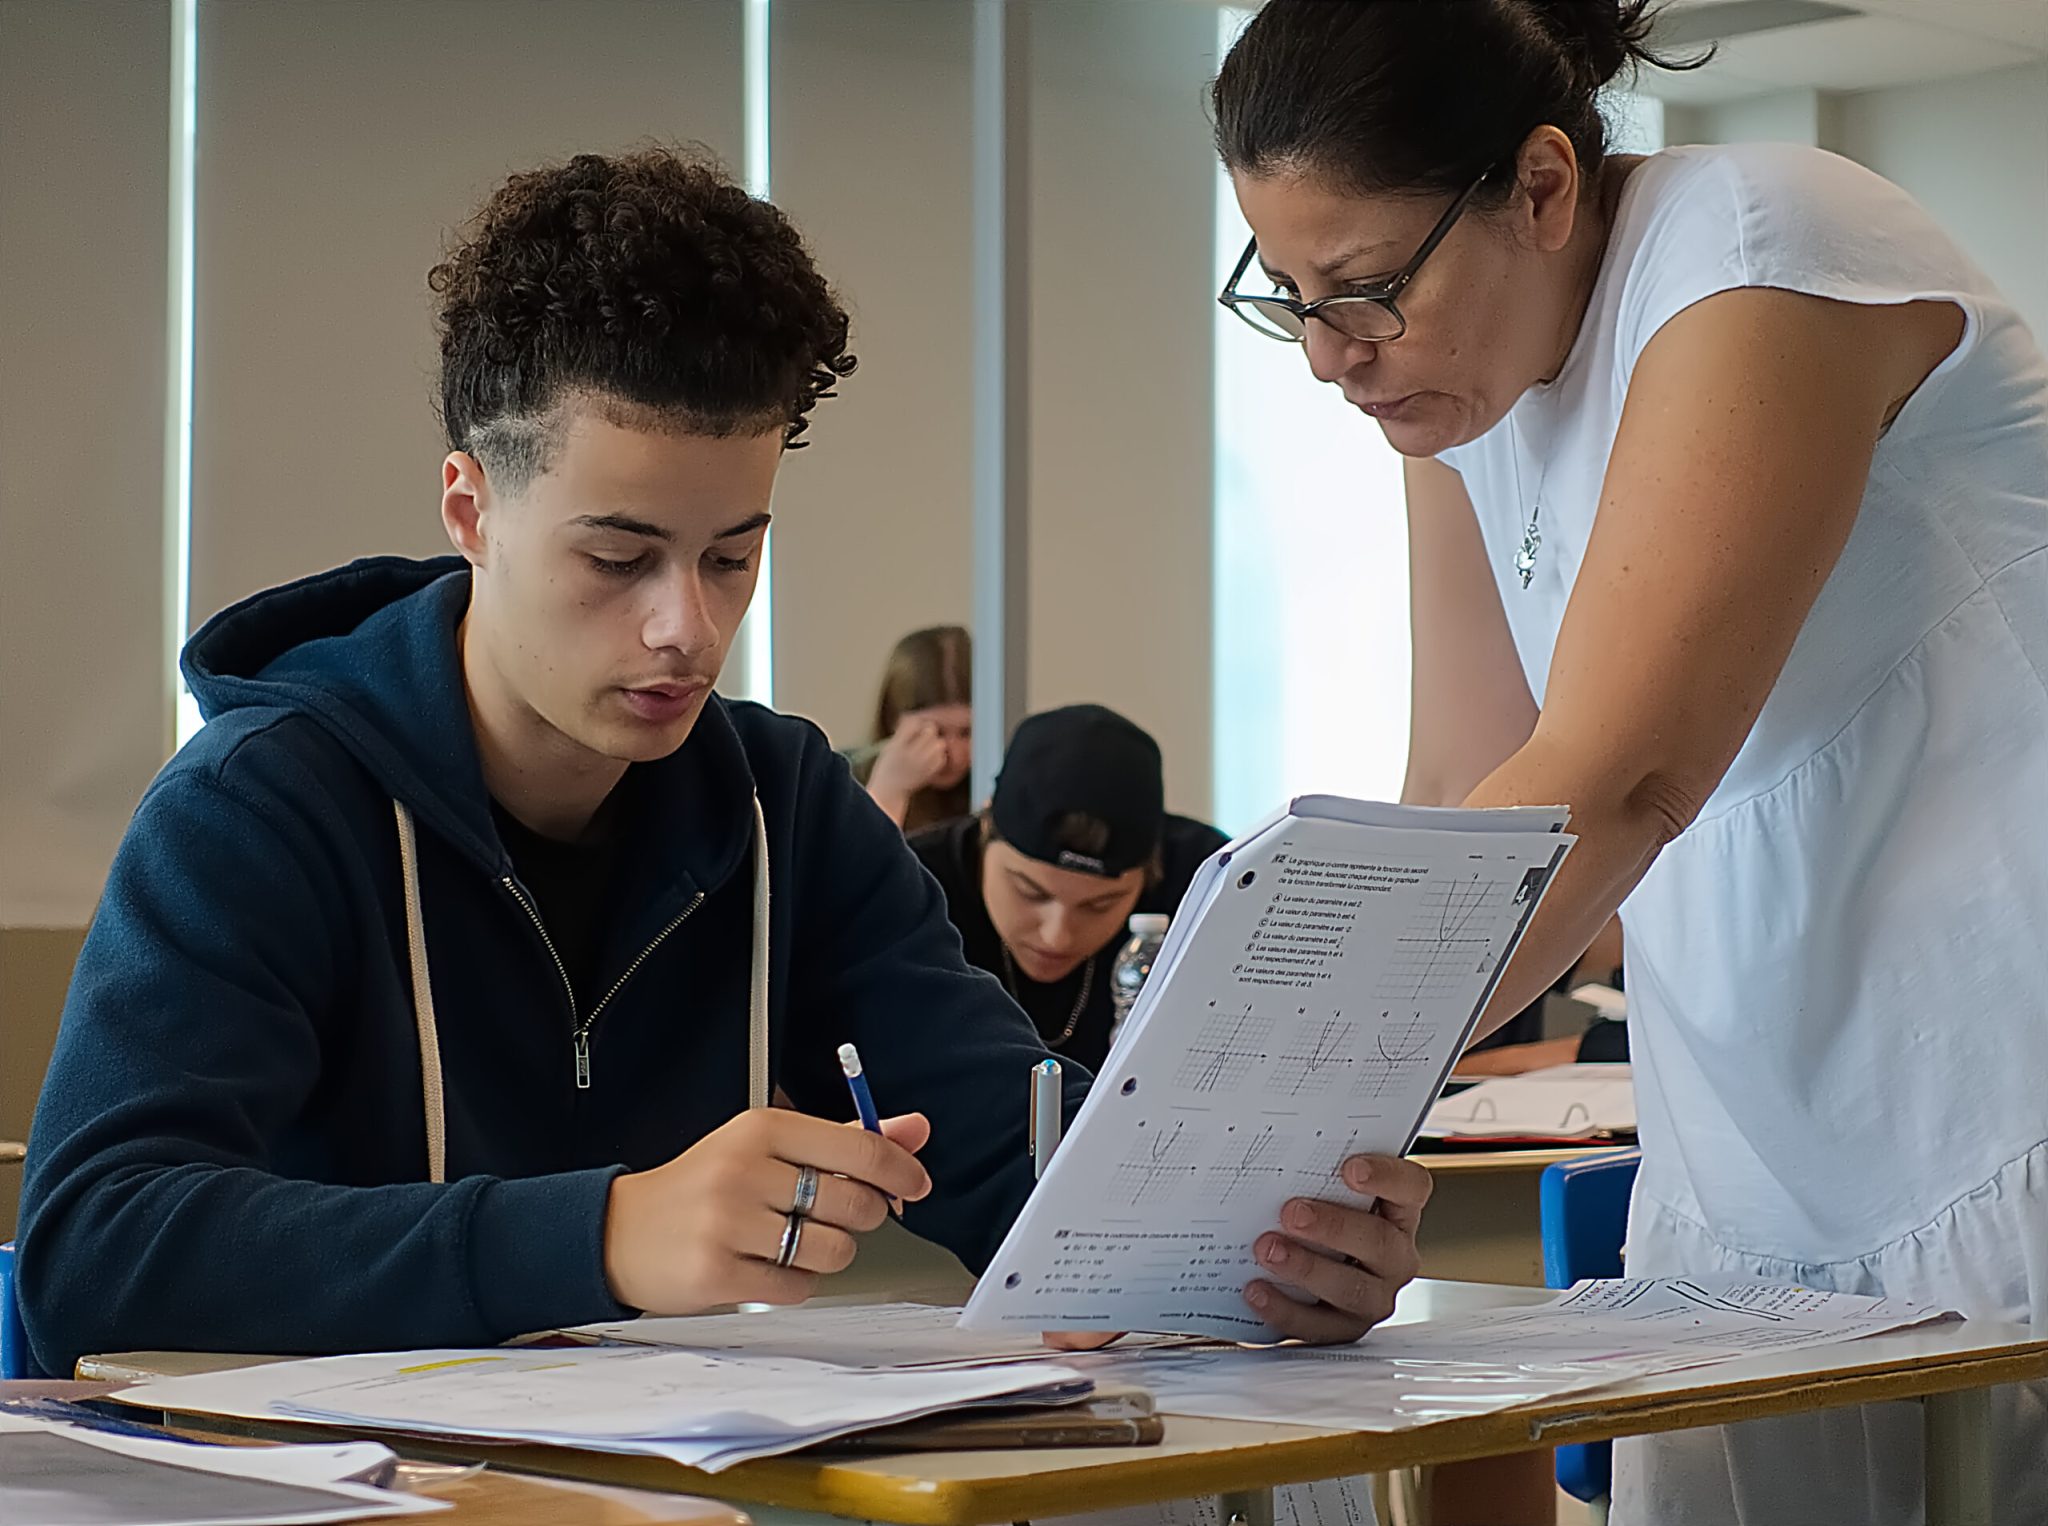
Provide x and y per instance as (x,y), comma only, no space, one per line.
(84,218)
(338,139)
(870,156)
(1123,228)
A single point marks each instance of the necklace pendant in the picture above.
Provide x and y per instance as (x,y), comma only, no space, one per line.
(1525,559)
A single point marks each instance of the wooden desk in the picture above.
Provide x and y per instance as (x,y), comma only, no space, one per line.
(495,1498)
(1947,1366)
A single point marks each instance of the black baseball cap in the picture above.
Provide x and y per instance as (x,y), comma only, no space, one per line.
(1084,759)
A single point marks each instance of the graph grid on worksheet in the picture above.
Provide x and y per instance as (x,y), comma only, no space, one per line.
(1448,940)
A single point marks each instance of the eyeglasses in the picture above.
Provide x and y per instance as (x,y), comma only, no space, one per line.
(1368,315)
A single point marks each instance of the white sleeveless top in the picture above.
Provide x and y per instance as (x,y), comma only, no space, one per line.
(1838,975)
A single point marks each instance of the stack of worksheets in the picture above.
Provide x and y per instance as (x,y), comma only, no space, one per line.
(703,1409)
(1321,977)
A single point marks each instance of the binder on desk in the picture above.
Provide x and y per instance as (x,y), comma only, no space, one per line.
(1564,1104)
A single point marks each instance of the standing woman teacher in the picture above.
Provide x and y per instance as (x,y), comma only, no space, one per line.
(1728,516)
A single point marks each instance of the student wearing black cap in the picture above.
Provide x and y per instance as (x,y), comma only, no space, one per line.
(1042,884)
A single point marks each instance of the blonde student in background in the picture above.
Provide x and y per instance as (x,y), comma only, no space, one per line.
(916,764)
(1728,507)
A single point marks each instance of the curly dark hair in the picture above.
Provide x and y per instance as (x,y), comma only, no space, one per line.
(647,280)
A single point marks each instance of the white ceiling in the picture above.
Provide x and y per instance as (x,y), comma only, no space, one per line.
(1888,42)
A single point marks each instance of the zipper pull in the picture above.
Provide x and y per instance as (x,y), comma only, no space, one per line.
(582,1060)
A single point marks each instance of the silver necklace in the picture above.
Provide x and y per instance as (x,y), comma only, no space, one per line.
(1532,542)
(1532,538)
(1073,1017)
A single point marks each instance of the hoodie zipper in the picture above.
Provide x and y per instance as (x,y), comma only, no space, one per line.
(583,1028)
(580,1037)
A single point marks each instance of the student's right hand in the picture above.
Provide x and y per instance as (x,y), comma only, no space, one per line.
(704,1229)
(908,761)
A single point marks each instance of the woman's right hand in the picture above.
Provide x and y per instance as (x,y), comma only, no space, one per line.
(908,761)
(705,1229)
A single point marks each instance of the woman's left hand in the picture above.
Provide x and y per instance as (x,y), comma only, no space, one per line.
(1352,1260)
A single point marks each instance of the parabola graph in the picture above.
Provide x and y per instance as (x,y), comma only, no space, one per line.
(1159,1160)
(1451,938)
(1224,1052)
(1321,1050)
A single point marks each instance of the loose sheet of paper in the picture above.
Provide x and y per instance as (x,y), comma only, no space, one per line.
(706,1410)
(1310,998)
(1561,1102)
(868,1335)
(1643,1325)
(54,1474)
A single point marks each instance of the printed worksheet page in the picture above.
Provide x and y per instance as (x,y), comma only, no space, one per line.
(1306,1009)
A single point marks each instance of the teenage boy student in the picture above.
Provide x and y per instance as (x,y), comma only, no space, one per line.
(439,983)
(1043,883)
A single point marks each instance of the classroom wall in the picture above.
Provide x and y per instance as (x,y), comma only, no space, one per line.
(1970,149)
(1778,116)
(84,706)
(870,154)
(1975,152)
(1122,387)
(84,701)
(337,142)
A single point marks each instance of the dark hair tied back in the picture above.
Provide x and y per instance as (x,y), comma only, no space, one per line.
(1422,95)
(1600,37)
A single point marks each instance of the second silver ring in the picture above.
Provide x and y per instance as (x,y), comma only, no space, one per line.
(806,1190)
(792,1237)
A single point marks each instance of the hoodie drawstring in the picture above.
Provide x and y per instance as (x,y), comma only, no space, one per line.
(433,1099)
(423,1000)
(757,999)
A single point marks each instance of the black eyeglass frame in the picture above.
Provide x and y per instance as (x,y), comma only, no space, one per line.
(1382,296)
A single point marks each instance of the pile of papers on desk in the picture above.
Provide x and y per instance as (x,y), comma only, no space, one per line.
(1595,1334)
(1400,1375)
(752,1390)
(52,1472)
(706,1410)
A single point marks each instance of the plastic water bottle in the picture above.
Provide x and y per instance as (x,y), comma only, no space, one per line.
(1133,964)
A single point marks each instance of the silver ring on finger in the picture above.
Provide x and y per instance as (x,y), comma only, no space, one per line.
(792,1237)
(806,1190)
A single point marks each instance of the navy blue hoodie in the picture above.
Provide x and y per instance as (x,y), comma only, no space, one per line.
(230,1152)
